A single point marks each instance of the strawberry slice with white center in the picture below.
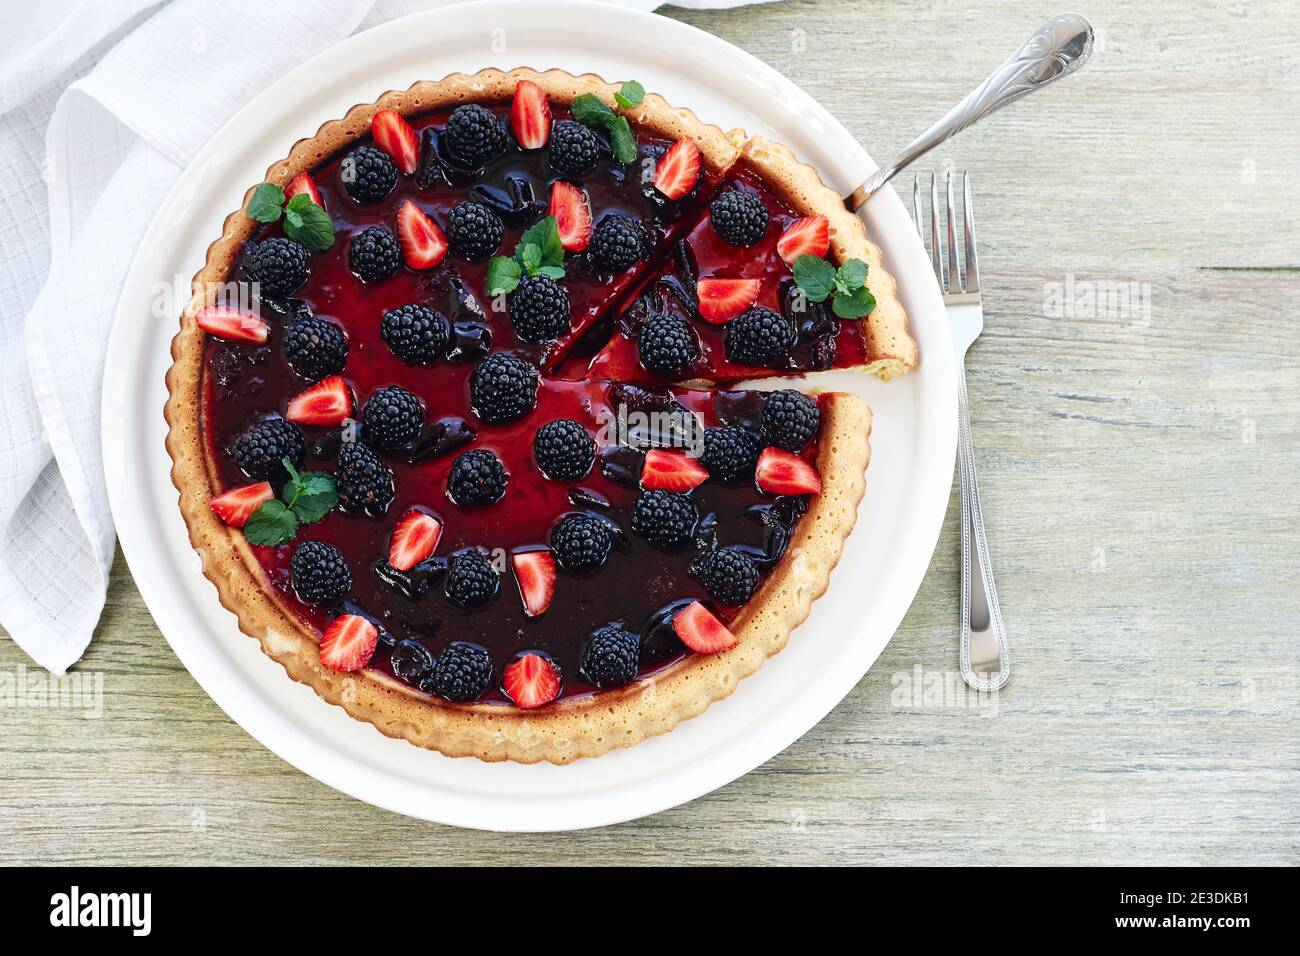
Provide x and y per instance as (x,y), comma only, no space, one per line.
(303,183)
(809,236)
(721,300)
(530,115)
(232,325)
(414,539)
(572,215)
(328,402)
(672,470)
(394,136)
(348,643)
(678,169)
(699,630)
(781,472)
(531,681)
(237,505)
(423,243)
(535,572)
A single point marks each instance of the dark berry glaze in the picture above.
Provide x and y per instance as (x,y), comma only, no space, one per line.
(639,585)
(820,341)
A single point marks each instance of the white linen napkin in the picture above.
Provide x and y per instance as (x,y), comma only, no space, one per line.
(102,104)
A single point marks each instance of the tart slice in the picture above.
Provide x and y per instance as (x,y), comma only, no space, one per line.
(744,294)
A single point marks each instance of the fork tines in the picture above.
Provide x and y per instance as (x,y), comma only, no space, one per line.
(953,279)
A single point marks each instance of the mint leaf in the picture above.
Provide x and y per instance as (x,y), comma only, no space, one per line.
(551,272)
(502,275)
(308,223)
(590,110)
(264,206)
(530,257)
(545,235)
(815,276)
(855,304)
(271,524)
(623,140)
(631,94)
(853,274)
(316,496)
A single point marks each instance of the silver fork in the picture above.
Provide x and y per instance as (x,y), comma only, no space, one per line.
(985,664)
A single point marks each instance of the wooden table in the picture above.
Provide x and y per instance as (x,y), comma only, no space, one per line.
(1139,469)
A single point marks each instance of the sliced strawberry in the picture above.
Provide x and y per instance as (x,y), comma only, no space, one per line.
(701,631)
(394,136)
(781,472)
(809,236)
(535,572)
(302,183)
(414,539)
(348,643)
(327,402)
(721,300)
(530,115)
(232,324)
(423,244)
(678,169)
(531,681)
(572,215)
(237,505)
(672,470)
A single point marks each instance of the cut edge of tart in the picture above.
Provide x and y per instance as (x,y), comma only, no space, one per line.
(581,726)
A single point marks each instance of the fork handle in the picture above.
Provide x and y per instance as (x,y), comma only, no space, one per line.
(1059,48)
(985,664)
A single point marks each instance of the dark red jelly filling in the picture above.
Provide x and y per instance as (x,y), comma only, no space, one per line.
(639,585)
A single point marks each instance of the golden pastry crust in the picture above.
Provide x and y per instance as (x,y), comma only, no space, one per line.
(577,727)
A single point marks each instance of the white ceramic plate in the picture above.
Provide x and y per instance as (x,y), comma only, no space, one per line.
(908,482)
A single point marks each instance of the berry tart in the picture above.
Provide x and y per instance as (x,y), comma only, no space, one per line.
(455,421)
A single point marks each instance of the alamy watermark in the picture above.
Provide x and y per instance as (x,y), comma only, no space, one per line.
(1128,302)
(929,689)
(80,690)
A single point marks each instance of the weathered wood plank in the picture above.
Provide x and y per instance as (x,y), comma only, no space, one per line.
(1139,475)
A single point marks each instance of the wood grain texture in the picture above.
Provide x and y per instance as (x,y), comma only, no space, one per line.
(1139,477)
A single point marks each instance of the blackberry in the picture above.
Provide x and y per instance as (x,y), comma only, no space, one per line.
(259,449)
(574,148)
(789,419)
(563,449)
(374,254)
(365,484)
(474,135)
(617,242)
(277,265)
(477,477)
(368,174)
(539,309)
(462,672)
(320,574)
(663,518)
(738,217)
(730,453)
(393,417)
(667,345)
(314,348)
(503,388)
(610,657)
(758,336)
(474,230)
(471,579)
(415,333)
(727,574)
(581,542)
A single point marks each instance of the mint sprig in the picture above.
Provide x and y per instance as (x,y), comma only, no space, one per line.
(845,287)
(590,110)
(304,221)
(305,499)
(538,252)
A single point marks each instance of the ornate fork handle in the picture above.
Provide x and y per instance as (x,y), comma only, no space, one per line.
(1059,48)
